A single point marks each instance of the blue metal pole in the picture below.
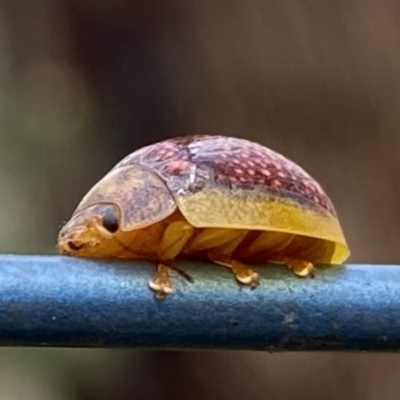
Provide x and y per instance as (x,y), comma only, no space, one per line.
(62,301)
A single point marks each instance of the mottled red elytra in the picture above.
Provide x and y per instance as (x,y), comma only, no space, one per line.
(219,198)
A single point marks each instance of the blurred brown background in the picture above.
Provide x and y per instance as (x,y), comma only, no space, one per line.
(83,83)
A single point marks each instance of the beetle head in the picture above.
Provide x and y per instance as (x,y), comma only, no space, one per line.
(91,231)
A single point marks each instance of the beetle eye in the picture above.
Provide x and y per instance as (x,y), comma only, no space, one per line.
(110,220)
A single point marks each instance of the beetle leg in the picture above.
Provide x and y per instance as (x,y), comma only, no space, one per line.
(300,267)
(173,241)
(222,255)
(221,243)
(242,272)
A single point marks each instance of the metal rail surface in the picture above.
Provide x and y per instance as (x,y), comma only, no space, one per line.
(69,302)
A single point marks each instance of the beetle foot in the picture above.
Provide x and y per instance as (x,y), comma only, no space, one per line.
(300,267)
(243,273)
(161,283)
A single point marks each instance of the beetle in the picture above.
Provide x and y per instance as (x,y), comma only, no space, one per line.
(224,199)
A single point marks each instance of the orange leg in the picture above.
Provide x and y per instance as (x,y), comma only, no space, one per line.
(278,243)
(174,239)
(220,245)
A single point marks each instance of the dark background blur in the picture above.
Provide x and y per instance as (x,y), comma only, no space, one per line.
(83,83)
